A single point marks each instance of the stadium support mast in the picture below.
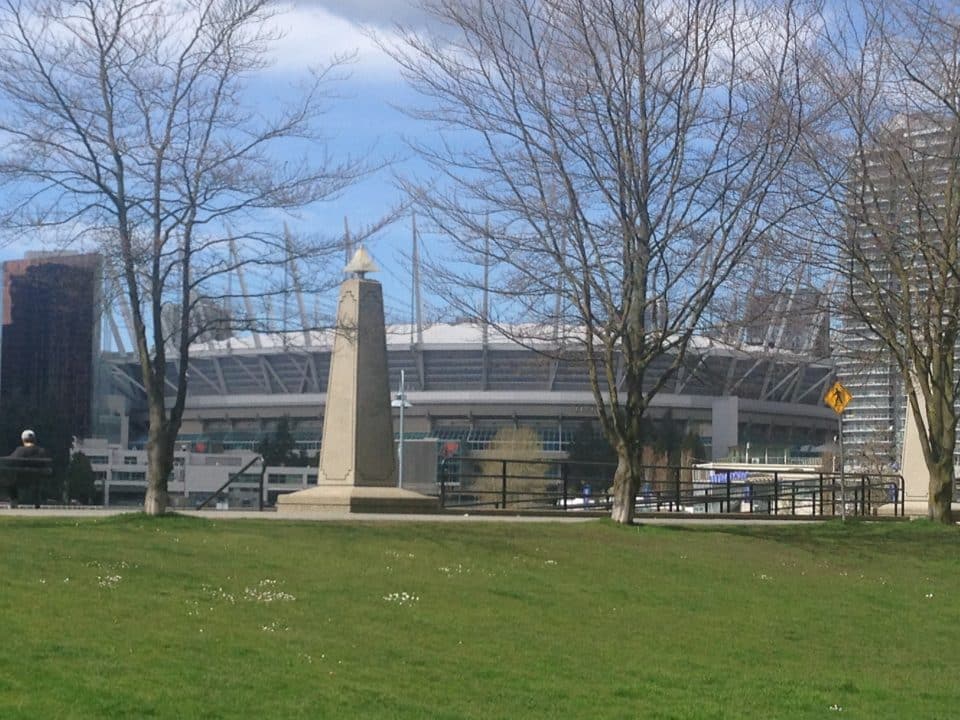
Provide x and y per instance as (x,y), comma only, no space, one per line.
(113,289)
(416,324)
(247,303)
(297,290)
(115,333)
(126,313)
(558,300)
(485,320)
(347,243)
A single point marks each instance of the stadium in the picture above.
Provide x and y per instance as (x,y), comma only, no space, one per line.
(464,385)
(756,398)
(463,388)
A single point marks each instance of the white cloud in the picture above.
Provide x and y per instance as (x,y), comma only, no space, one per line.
(380,13)
(312,36)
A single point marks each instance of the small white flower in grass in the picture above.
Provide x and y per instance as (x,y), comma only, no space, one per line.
(836,708)
(108,581)
(398,555)
(401,598)
(273,627)
(263,593)
(929,596)
(550,562)
(218,594)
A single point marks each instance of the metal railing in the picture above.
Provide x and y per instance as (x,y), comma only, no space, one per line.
(568,485)
(235,476)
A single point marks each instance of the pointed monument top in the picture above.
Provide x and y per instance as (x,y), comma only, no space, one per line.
(361,263)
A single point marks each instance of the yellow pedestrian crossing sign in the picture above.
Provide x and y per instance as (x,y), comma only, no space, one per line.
(838,397)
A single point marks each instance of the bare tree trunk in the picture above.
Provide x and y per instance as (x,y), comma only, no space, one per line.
(626,482)
(938,435)
(159,464)
(941,492)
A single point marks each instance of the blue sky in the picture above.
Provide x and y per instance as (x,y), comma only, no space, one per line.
(362,121)
(365,120)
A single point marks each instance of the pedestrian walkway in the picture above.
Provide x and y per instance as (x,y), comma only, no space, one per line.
(234,515)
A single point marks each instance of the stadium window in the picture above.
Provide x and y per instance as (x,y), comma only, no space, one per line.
(480,439)
(550,439)
(285,478)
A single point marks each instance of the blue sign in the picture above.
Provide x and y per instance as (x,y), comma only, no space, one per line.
(733,475)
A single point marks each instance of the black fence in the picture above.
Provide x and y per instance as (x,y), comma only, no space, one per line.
(565,485)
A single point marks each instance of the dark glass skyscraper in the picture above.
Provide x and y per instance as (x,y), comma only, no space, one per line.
(50,339)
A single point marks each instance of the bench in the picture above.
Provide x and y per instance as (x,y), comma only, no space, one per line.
(17,475)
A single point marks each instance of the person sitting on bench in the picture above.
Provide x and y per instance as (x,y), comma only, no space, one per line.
(28,449)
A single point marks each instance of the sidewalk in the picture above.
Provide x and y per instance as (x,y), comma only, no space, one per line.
(443,517)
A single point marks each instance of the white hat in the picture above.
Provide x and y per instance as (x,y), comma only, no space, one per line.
(28,436)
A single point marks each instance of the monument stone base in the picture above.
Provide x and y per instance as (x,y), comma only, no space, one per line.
(356,499)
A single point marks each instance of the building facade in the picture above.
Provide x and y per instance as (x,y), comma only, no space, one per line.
(898,253)
(50,340)
(464,385)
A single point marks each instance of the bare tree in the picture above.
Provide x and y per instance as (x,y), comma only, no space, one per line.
(892,162)
(127,125)
(604,165)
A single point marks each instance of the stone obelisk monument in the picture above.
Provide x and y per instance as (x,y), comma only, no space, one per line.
(357,457)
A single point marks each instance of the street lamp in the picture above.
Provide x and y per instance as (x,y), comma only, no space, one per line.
(400,402)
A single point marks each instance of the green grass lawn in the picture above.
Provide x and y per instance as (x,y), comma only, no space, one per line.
(135,617)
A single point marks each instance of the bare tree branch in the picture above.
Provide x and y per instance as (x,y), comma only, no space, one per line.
(615,159)
(128,123)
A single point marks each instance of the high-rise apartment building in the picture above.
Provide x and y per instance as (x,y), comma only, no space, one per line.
(895,220)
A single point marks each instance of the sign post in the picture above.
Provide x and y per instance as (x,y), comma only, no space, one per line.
(838,397)
(402,403)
